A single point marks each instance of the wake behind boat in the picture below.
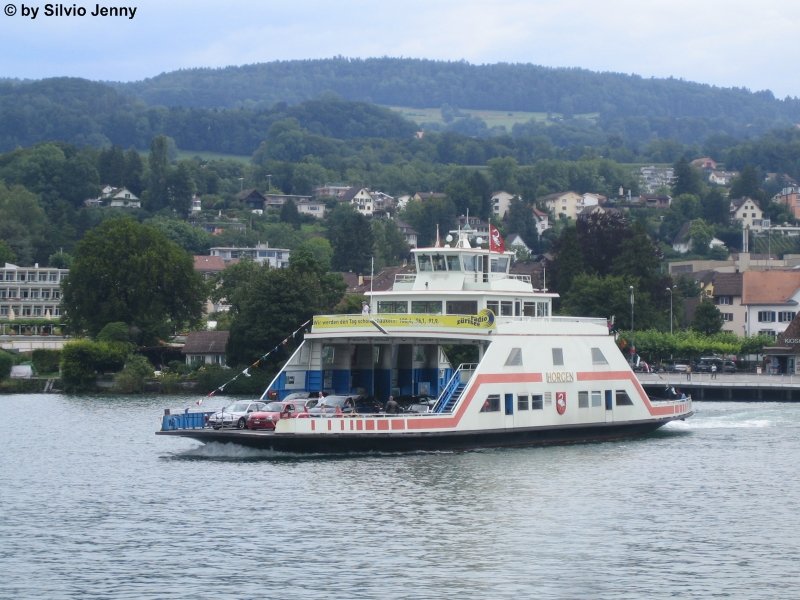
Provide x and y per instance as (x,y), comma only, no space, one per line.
(535,379)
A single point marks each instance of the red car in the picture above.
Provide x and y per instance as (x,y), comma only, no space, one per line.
(274,411)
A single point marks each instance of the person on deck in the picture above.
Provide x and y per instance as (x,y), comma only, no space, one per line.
(392,407)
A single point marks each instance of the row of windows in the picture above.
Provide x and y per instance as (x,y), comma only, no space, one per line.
(469,263)
(771,316)
(506,308)
(33,276)
(586,399)
(33,294)
(32,311)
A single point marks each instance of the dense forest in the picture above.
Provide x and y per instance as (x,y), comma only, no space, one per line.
(231,110)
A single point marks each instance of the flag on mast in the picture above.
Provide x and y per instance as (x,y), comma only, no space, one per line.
(496,243)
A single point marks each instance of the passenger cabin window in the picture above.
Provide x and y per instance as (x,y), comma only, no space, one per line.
(499,265)
(536,402)
(558,357)
(623,399)
(583,399)
(453,264)
(598,358)
(522,403)
(470,264)
(462,307)
(507,308)
(439,263)
(494,306)
(597,399)
(491,404)
(426,307)
(392,306)
(542,309)
(514,358)
(424,262)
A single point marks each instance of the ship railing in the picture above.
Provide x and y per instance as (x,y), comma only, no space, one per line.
(453,388)
(411,277)
(184,420)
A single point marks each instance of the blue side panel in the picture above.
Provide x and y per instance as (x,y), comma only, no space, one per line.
(314,381)
(340,380)
(362,381)
(429,376)
(446,375)
(509,404)
(405,382)
(383,383)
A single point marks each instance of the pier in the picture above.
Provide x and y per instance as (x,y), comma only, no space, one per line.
(726,386)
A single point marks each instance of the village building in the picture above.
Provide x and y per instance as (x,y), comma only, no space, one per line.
(747,213)
(205,348)
(276,258)
(29,293)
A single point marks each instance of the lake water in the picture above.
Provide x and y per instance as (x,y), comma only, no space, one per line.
(94,505)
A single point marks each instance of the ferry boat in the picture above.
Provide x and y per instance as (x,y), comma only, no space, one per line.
(530,377)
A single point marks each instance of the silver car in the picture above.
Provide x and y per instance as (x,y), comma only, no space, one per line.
(235,415)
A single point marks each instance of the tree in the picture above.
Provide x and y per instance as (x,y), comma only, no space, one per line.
(127,272)
(351,237)
(687,179)
(747,185)
(569,261)
(6,362)
(267,305)
(6,253)
(519,219)
(289,214)
(158,184)
(701,235)
(707,318)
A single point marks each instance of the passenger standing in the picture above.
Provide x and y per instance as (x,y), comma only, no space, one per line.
(713,371)
(688,372)
(364,308)
(392,407)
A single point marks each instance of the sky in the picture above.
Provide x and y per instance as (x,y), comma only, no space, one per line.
(726,43)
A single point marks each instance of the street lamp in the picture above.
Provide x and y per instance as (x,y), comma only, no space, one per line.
(669,289)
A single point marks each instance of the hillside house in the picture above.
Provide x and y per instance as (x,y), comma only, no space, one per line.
(205,348)
(501,202)
(564,204)
(408,232)
(747,213)
(276,258)
(542,220)
(311,207)
(361,199)
(252,199)
(790,198)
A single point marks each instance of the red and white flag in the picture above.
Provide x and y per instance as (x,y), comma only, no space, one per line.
(496,243)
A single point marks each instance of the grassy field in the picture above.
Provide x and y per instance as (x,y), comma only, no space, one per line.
(492,118)
(188,154)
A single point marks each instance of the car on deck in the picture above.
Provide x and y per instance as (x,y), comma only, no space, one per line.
(277,410)
(235,415)
(333,405)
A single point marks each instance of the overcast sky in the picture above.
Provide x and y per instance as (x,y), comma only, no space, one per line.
(730,43)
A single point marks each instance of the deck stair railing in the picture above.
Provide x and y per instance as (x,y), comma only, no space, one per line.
(453,389)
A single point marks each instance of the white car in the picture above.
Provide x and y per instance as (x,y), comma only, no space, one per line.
(235,415)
